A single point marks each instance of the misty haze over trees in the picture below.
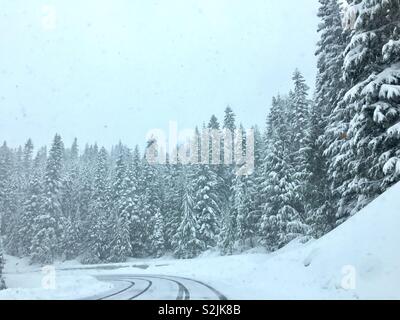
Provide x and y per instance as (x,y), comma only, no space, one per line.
(321,158)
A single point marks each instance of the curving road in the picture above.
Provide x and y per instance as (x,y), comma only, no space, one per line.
(157,287)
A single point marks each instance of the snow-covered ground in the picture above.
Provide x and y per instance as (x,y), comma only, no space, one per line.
(358,260)
(32,282)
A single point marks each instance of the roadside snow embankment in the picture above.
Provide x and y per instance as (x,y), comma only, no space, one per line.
(27,282)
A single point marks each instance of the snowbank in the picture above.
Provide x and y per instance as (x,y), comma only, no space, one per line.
(27,282)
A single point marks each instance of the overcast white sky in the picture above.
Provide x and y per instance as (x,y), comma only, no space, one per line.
(110,70)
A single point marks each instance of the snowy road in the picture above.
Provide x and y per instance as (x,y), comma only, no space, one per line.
(156,287)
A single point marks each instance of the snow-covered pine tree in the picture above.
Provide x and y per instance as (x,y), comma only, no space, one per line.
(330,48)
(138,222)
(229,119)
(15,196)
(26,171)
(327,119)
(254,187)
(216,158)
(97,247)
(187,240)
(70,242)
(122,180)
(226,239)
(372,67)
(70,182)
(40,161)
(298,117)
(215,146)
(157,242)
(120,245)
(246,214)
(87,167)
(8,196)
(31,208)
(173,177)
(130,203)
(27,162)
(227,234)
(319,208)
(229,128)
(47,226)
(276,175)
(207,204)
(151,196)
(228,173)
(32,203)
(44,243)
(16,191)
(214,123)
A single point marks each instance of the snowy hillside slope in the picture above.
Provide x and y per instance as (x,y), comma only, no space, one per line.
(369,243)
(358,260)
